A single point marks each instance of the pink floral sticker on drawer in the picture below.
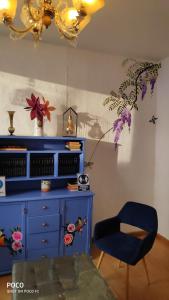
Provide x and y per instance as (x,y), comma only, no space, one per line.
(71,229)
(13,242)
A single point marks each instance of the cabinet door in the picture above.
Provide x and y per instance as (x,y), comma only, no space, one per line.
(11,216)
(76,235)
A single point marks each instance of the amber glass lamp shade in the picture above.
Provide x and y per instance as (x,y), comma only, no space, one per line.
(70,20)
(83,23)
(7,9)
(69,16)
(89,6)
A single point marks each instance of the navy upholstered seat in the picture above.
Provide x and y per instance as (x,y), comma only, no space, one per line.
(125,247)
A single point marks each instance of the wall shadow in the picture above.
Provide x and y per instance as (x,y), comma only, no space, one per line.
(104,179)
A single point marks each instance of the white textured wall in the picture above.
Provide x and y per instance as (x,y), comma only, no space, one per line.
(162,150)
(115,177)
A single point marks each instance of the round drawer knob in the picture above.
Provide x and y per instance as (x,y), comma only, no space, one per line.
(44,225)
(44,241)
(44,207)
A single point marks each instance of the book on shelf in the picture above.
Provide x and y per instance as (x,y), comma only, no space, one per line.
(72,186)
(72,189)
(73,142)
(13,148)
(76,146)
(73,148)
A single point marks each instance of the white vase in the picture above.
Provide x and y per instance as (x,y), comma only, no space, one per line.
(38,127)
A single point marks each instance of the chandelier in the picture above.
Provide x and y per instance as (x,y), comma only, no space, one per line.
(69,16)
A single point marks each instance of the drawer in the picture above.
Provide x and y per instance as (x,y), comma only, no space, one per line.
(43,208)
(42,253)
(43,240)
(43,224)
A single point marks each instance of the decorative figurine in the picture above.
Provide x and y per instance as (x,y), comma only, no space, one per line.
(11,129)
(45,185)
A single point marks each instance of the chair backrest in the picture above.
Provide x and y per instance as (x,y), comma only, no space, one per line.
(139,215)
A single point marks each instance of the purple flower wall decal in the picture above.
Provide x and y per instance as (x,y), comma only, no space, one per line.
(139,76)
(126,116)
(143,90)
(118,125)
(152,84)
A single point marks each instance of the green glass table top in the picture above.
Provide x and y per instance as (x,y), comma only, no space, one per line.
(64,278)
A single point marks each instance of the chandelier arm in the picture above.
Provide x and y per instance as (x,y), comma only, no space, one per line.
(29,7)
(68,36)
(13,28)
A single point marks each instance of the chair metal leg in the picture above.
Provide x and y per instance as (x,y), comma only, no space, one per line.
(100,259)
(146,270)
(127,283)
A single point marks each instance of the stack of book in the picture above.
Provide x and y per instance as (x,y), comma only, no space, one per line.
(12,167)
(72,186)
(73,146)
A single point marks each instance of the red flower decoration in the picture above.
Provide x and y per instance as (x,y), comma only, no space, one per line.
(35,107)
(47,109)
(16,246)
(17,236)
(68,239)
(13,243)
(39,110)
(71,228)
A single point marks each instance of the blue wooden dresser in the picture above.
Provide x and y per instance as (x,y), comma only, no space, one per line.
(54,223)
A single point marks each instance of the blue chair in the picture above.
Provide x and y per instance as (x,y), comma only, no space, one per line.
(124,246)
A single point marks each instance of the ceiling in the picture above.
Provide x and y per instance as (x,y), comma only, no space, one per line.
(134,28)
